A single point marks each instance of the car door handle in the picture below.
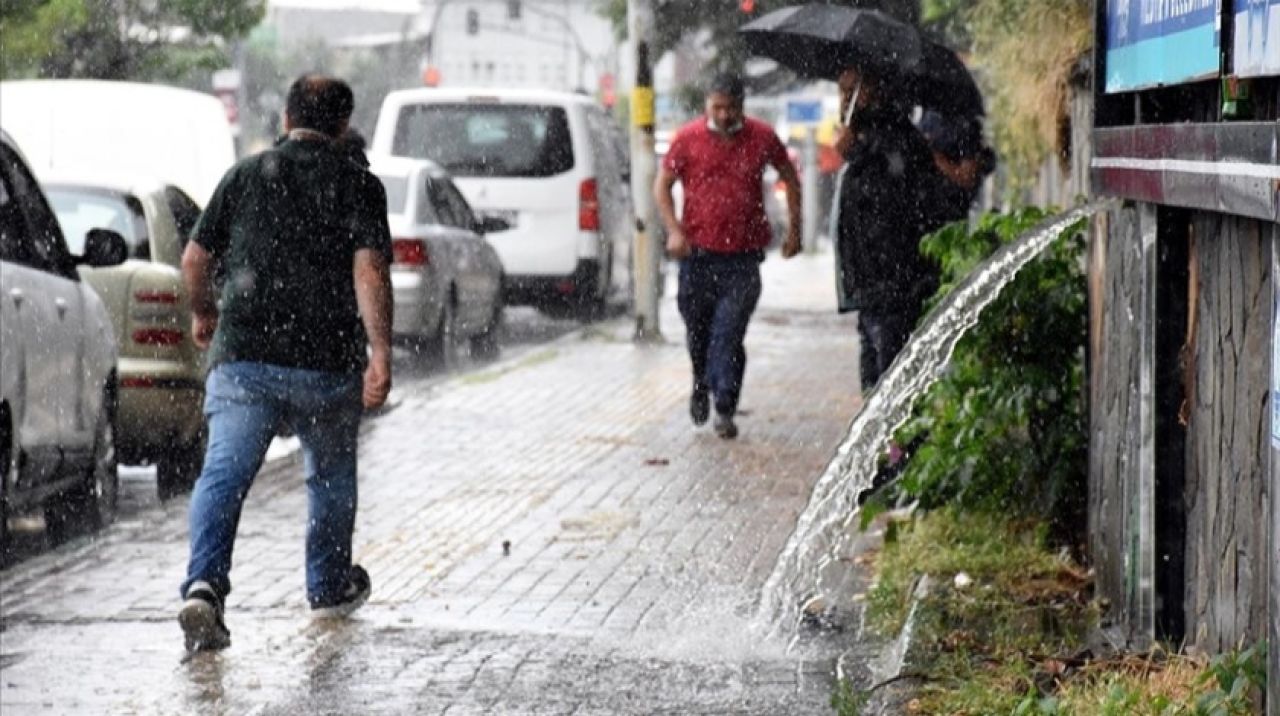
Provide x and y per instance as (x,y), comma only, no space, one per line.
(61,305)
(18,297)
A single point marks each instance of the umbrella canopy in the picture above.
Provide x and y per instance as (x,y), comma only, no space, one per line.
(942,83)
(821,41)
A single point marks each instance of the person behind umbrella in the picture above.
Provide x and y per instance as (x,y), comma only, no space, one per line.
(720,241)
(884,207)
(961,156)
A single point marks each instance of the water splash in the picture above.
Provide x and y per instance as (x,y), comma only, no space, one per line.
(823,529)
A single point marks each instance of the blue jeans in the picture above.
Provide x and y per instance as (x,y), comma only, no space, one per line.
(245,403)
(717,295)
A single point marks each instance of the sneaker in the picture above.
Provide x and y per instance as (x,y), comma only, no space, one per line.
(201,619)
(699,406)
(356,594)
(725,426)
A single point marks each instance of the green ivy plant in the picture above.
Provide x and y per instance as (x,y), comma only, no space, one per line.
(1004,429)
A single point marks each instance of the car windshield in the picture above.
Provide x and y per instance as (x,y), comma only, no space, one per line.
(487,140)
(81,209)
(397,192)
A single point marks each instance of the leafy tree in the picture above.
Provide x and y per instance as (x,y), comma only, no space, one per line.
(676,19)
(123,39)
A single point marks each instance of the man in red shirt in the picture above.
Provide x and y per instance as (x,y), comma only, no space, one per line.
(720,160)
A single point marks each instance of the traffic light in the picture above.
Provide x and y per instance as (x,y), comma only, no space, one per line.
(473,21)
(747,6)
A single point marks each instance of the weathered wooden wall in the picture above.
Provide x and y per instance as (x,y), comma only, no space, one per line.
(1273,561)
(1115,296)
(1228,436)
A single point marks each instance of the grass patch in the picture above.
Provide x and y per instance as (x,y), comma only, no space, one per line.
(1006,559)
(1004,632)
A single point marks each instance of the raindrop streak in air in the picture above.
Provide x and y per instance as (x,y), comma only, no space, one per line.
(822,530)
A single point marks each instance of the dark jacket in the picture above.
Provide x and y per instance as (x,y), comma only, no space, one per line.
(888,199)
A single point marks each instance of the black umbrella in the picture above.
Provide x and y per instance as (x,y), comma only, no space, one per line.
(821,41)
(942,83)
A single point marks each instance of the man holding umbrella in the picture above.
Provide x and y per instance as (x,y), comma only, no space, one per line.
(720,241)
(888,189)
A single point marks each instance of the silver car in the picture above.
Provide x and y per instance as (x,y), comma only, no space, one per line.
(160,372)
(447,279)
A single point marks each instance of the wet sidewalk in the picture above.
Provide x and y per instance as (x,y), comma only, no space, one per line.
(546,535)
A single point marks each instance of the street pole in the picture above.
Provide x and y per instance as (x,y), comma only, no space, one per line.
(646,255)
(809,190)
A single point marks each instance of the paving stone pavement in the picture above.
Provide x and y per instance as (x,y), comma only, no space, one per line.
(545,535)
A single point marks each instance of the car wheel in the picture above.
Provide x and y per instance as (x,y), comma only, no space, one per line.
(592,294)
(177,470)
(92,501)
(9,463)
(486,344)
(440,348)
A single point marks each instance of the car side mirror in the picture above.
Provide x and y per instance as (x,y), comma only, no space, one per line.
(104,247)
(491,225)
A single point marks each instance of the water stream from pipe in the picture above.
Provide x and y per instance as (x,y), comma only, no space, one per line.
(799,579)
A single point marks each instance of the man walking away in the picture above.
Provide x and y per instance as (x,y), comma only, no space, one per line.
(300,233)
(720,160)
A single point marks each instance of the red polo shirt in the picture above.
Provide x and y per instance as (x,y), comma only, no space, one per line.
(722,175)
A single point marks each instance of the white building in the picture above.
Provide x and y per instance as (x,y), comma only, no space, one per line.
(554,44)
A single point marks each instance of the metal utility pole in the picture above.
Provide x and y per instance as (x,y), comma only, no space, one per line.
(809,191)
(646,254)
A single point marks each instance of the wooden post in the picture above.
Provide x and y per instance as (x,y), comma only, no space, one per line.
(1273,548)
(1140,492)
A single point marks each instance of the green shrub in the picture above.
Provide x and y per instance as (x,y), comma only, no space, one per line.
(1004,429)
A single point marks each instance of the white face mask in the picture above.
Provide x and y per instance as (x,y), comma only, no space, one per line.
(730,130)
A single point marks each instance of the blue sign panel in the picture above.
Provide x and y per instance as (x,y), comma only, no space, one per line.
(1160,42)
(804,111)
(1256,50)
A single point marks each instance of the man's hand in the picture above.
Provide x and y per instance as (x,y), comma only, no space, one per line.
(677,245)
(373,294)
(792,245)
(845,137)
(203,326)
(377,381)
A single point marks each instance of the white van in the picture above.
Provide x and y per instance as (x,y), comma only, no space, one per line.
(552,165)
(72,126)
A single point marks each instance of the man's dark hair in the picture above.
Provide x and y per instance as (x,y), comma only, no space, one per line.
(321,103)
(729,85)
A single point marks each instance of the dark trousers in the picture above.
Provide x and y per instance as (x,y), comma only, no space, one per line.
(882,336)
(717,296)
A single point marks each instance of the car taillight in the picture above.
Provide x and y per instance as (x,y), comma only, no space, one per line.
(410,252)
(157,336)
(588,206)
(168,298)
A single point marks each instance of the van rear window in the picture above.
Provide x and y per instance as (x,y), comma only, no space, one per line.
(490,140)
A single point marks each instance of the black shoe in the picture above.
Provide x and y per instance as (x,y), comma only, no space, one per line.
(201,619)
(356,594)
(725,427)
(699,406)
